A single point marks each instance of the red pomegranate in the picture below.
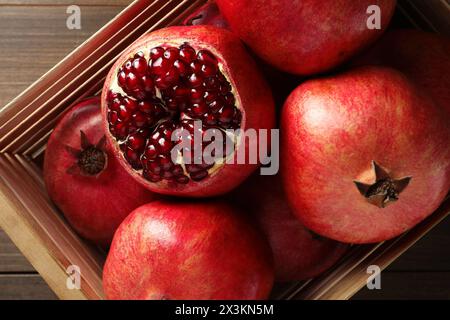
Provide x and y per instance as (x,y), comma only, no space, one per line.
(168,81)
(299,253)
(365,155)
(187,250)
(84,179)
(309,36)
(424,57)
(208,14)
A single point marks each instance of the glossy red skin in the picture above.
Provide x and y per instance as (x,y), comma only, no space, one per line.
(208,14)
(257,105)
(424,57)
(180,251)
(332,128)
(305,37)
(298,253)
(94,206)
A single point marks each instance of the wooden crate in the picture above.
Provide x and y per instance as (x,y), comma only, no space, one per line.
(39,230)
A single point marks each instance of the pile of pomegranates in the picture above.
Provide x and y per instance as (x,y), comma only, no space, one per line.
(159,171)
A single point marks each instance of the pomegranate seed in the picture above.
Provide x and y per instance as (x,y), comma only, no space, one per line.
(181,92)
(140,119)
(199,176)
(171,54)
(164,146)
(112,95)
(152,177)
(140,65)
(209,70)
(160,66)
(151,152)
(172,76)
(130,104)
(212,84)
(177,171)
(165,163)
(187,53)
(230,100)
(216,105)
(161,84)
(156,53)
(210,96)
(182,179)
(131,82)
(226,114)
(196,67)
(182,68)
(121,130)
(122,79)
(148,84)
(115,104)
(128,66)
(155,168)
(195,80)
(225,88)
(206,57)
(113,118)
(196,95)
(124,114)
(199,109)
(210,119)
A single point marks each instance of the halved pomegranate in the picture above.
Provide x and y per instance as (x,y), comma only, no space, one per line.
(177,86)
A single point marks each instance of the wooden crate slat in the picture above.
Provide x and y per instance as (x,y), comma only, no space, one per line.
(64,246)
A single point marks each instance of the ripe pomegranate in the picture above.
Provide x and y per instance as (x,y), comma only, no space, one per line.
(299,254)
(423,57)
(365,155)
(166,82)
(208,14)
(305,37)
(187,250)
(84,179)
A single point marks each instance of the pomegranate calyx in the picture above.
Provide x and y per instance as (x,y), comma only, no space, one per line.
(385,190)
(91,160)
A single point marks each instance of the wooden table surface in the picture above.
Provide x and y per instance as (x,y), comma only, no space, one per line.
(34,37)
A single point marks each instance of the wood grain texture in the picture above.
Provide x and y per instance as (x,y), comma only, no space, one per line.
(19,287)
(409,285)
(11,260)
(35,39)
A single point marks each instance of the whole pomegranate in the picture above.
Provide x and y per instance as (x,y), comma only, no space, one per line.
(424,57)
(208,14)
(85,180)
(187,250)
(365,155)
(173,88)
(309,36)
(299,254)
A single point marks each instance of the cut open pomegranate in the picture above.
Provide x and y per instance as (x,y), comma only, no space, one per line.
(185,87)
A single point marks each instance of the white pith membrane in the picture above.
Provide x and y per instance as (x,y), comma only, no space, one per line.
(235,137)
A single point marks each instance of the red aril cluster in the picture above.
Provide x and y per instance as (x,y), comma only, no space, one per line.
(163,91)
